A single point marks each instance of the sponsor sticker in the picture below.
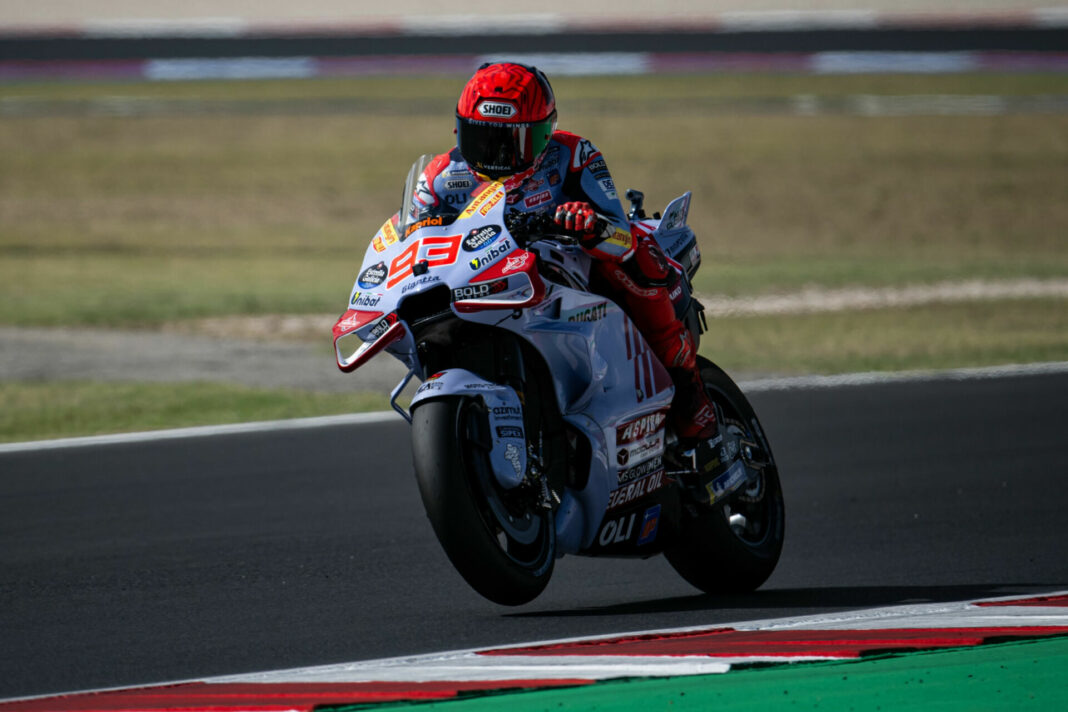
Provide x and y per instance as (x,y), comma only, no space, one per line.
(365,299)
(593,312)
(496,110)
(429,386)
(516,263)
(512,455)
(477,263)
(617,531)
(373,276)
(459,184)
(726,483)
(620,238)
(492,201)
(507,412)
(640,428)
(384,323)
(416,283)
(626,494)
(650,523)
(435,221)
(350,322)
(480,290)
(509,431)
(480,237)
(489,190)
(538,199)
(648,467)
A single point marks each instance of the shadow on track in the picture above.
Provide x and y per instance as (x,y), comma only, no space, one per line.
(791,599)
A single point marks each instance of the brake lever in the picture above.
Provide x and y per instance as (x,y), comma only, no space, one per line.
(529,227)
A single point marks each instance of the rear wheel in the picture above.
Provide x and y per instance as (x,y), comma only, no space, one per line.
(501,541)
(733,547)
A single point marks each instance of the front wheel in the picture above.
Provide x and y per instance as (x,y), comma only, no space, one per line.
(733,547)
(501,541)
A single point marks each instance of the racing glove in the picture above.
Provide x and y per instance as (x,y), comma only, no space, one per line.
(579,219)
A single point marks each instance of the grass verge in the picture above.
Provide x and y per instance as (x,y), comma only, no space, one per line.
(55,409)
(120,220)
(927,337)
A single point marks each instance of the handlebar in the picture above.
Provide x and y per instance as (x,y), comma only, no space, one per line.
(530,227)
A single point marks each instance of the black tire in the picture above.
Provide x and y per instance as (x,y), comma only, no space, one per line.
(508,562)
(713,554)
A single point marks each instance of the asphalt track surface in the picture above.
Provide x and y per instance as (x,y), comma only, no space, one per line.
(160,561)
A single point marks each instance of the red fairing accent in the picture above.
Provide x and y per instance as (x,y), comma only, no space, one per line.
(371,349)
(352,320)
(517,261)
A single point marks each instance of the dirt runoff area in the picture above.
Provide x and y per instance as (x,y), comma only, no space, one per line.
(295,351)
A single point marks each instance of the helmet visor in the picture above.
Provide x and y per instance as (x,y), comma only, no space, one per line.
(499,149)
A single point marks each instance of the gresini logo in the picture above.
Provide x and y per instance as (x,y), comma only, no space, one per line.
(496,110)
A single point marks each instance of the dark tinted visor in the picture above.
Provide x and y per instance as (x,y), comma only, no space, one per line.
(498,149)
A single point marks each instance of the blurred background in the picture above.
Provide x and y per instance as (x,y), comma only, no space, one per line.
(187,190)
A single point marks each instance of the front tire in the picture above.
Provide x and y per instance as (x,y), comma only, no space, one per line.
(501,541)
(733,547)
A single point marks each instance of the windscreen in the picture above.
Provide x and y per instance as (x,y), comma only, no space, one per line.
(413,207)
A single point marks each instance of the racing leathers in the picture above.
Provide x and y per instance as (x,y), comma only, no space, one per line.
(629,267)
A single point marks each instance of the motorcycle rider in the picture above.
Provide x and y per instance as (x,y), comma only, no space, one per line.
(506,131)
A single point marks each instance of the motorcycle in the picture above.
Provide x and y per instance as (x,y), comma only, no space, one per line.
(541,425)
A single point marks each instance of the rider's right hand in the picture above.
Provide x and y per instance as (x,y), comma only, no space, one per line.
(578,218)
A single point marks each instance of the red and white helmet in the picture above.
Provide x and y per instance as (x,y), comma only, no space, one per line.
(504,119)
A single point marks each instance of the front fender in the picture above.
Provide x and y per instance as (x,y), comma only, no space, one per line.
(508,452)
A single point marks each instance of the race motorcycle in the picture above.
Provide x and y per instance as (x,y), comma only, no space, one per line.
(541,426)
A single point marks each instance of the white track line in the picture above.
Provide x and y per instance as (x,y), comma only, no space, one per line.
(470,665)
(357,419)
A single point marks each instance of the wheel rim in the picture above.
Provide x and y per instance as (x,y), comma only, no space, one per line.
(749,512)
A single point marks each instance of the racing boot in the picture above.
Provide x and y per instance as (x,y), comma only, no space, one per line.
(692,411)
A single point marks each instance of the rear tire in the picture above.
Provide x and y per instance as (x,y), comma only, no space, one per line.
(500,541)
(733,547)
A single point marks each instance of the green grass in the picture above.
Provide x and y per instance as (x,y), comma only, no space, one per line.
(31,411)
(927,337)
(138,220)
